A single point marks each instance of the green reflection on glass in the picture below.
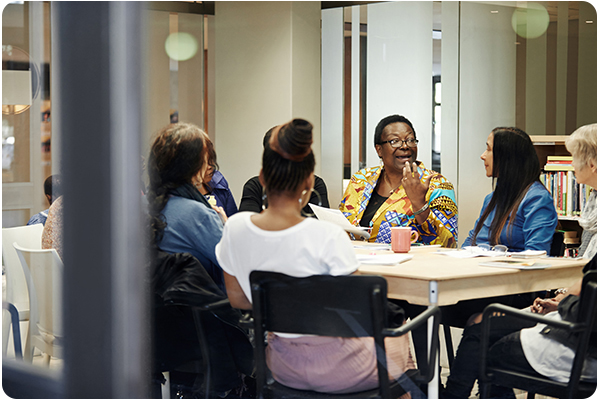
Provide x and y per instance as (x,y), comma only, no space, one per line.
(530,21)
(181,46)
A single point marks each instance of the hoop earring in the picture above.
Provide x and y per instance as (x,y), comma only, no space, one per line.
(265,203)
(320,203)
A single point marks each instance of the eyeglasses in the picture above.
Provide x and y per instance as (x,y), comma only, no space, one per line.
(499,248)
(395,143)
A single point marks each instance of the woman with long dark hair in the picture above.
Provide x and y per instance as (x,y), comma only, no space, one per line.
(182,220)
(519,213)
(281,239)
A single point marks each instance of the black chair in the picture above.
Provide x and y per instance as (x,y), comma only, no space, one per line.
(195,330)
(583,327)
(341,306)
(557,247)
(200,315)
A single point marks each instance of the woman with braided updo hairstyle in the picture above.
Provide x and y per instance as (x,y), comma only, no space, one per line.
(182,220)
(281,239)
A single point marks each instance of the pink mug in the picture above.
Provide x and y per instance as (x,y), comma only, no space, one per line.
(402,237)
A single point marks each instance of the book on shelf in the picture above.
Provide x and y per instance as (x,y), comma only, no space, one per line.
(559,158)
(569,196)
(558,167)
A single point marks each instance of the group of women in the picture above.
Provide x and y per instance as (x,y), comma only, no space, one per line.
(519,214)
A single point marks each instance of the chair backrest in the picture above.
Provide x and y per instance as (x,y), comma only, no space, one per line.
(346,306)
(587,316)
(29,237)
(43,270)
(557,246)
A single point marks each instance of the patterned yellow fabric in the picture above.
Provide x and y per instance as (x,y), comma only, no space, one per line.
(440,226)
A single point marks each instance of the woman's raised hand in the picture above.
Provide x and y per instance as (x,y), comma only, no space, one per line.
(415,189)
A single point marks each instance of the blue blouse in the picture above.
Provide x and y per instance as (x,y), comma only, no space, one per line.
(533,226)
(193,228)
(223,196)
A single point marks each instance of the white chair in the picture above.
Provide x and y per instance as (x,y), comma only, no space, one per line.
(43,271)
(16,286)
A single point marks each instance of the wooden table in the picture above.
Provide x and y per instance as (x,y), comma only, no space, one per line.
(464,279)
(432,279)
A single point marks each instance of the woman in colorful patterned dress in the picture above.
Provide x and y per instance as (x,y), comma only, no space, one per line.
(402,192)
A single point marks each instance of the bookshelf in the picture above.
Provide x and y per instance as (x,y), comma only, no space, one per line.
(546,145)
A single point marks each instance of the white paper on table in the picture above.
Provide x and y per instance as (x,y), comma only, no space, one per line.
(514,264)
(371,246)
(528,254)
(470,252)
(383,259)
(335,216)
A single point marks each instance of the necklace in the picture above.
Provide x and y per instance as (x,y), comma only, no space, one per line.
(385,177)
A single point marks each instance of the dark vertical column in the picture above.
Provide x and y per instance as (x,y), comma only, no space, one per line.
(104,294)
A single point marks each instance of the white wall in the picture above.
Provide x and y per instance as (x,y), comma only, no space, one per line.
(332,100)
(487,99)
(267,71)
(399,69)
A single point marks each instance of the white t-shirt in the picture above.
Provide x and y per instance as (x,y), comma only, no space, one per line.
(311,247)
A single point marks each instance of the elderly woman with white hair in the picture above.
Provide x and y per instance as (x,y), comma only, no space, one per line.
(582,146)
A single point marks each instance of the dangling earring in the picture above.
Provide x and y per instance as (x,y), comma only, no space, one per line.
(381,161)
(301,200)
(265,204)
(319,203)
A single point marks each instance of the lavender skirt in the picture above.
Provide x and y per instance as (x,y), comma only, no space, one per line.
(333,364)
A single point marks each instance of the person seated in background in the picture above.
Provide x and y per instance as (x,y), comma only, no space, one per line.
(402,192)
(281,239)
(254,197)
(182,220)
(52,191)
(214,186)
(582,146)
(519,214)
(53,228)
(531,348)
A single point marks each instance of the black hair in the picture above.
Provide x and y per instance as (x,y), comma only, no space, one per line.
(291,160)
(390,120)
(52,187)
(175,157)
(515,168)
(267,137)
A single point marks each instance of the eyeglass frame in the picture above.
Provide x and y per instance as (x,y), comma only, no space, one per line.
(401,141)
(499,248)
